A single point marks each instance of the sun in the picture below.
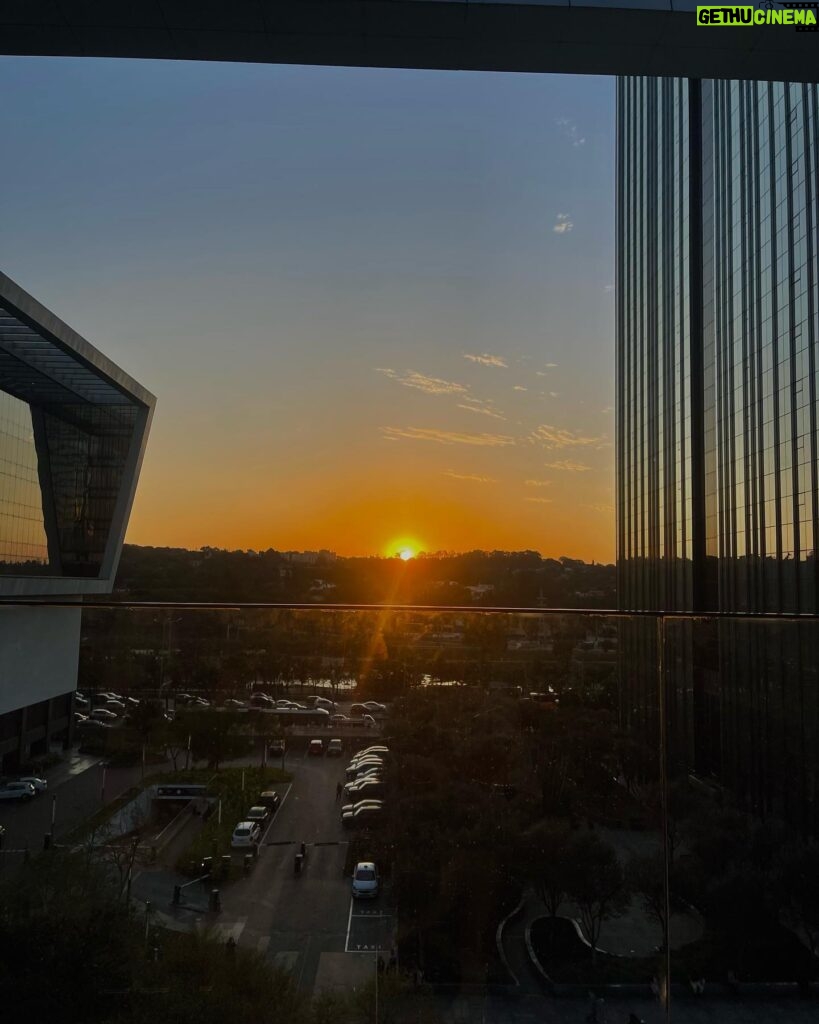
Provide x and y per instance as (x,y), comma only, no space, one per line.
(406,548)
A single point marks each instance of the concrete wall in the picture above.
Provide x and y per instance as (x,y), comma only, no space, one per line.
(39,654)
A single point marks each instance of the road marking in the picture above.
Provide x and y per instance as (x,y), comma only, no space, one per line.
(304,960)
(349,923)
(274,816)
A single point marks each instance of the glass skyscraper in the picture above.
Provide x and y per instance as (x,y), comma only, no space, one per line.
(717,448)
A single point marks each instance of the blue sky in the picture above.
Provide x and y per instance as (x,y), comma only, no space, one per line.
(299,263)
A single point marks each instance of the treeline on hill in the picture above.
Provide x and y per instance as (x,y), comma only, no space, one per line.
(520,578)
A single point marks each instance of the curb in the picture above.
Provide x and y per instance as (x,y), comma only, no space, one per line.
(534,960)
(499,940)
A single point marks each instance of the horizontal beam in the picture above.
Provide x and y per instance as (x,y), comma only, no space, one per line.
(601,37)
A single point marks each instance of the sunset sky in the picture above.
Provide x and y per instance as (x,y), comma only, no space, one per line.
(376,307)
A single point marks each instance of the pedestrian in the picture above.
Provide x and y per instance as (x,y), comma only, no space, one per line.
(338,790)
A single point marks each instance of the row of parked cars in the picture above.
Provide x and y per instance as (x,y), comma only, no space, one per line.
(23,789)
(103,708)
(363,794)
(248,833)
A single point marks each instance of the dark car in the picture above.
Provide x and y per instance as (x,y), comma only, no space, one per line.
(259,813)
(276,748)
(270,799)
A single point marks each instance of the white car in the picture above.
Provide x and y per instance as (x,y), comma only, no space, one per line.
(371,750)
(246,833)
(365,880)
(371,802)
(40,785)
(363,766)
(17,791)
(102,715)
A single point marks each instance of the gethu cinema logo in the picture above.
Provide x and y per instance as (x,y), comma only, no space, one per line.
(739,16)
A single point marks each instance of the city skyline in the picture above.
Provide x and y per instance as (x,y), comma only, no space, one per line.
(376,307)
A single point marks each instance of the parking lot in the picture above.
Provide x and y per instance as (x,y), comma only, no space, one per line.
(370,926)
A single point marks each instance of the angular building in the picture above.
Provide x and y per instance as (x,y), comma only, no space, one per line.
(73,429)
(717,442)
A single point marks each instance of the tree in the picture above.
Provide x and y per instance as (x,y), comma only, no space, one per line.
(646,876)
(215,737)
(546,850)
(594,881)
(174,738)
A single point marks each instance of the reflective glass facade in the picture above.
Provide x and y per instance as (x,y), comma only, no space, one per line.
(717,490)
(22,530)
(66,432)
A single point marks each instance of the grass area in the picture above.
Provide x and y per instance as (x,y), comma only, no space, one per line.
(227,786)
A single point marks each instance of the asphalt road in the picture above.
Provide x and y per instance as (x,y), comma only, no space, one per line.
(308,923)
(78,787)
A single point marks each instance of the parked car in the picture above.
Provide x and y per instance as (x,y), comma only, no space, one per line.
(117,706)
(365,880)
(81,701)
(374,707)
(357,710)
(370,786)
(377,748)
(369,721)
(200,702)
(261,700)
(335,748)
(246,833)
(17,791)
(373,771)
(235,705)
(357,761)
(339,719)
(315,748)
(40,785)
(270,799)
(103,715)
(371,802)
(259,814)
(183,698)
(363,817)
(132,702)
(284,703)
(78,717)
(276,748)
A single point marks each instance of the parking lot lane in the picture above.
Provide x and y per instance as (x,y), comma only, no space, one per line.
(306,915)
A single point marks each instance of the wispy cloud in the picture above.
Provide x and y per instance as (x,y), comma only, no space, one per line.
(569,130)
(538,483)
(540,501)
(487,360)
(484,410)
(543,373)
(568,466)
(519,387)
(607,409)
(608,509)
(471,477)
(563,225)
(558,437)
(421,382)
(446,437)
